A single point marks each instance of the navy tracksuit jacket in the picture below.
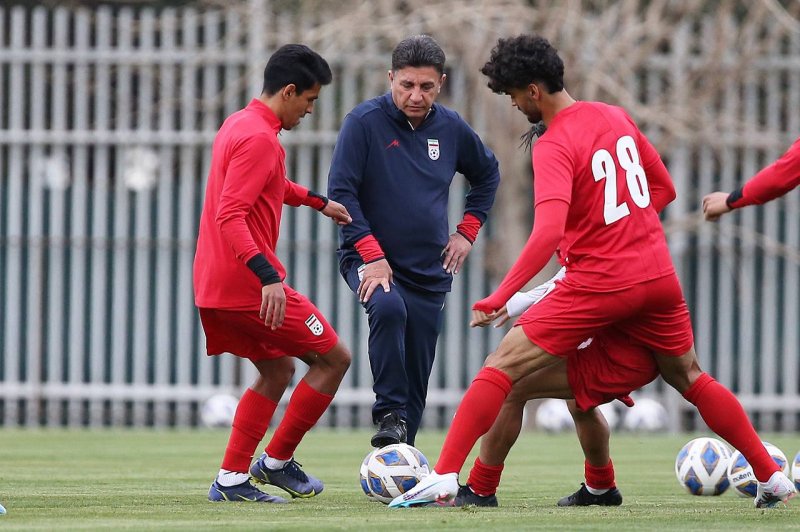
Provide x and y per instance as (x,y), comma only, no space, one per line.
(395,182)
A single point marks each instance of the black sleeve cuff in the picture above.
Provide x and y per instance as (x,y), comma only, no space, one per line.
(265,272)
(734,196)
(324,199)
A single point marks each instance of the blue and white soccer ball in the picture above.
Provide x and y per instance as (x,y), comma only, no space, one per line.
(702,466)
(390,471)
(553,415)
(218,410)
(646,415)
(796,470)
(740,472)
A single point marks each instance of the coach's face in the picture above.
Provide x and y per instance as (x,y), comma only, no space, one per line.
(297,105)
(414,89)
(526,100)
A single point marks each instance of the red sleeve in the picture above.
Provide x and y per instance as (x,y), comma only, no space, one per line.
(662,190)
(553,171)
(550,217)
(369,249)
(294,194)
(773,181)
(469,227)
(251,167)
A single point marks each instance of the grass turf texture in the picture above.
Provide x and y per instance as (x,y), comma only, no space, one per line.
(120,479)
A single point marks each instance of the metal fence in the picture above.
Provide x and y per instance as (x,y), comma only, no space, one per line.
(106,119)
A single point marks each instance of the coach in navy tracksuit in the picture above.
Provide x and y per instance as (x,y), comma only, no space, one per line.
(392,166)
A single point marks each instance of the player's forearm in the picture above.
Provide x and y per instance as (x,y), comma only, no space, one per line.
(772,182)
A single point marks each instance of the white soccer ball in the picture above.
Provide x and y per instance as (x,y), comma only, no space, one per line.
(390,471)
(740,473)
(702,466)
(796,470)
(553,416)
(218,410)
(646,415)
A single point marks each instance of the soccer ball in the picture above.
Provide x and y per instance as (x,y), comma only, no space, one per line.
(740,473)
(390,471)
(702,466)
(646,415)
(553,416)
(218,410)
(796,470)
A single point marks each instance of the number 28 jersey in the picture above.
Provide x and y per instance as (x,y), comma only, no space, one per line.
(594,157)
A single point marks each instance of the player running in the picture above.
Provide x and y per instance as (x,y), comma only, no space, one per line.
(598,187)
(245,307)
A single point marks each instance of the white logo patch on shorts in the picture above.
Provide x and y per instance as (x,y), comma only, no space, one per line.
(314,325)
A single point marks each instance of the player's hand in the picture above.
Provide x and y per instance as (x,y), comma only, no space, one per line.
(376,274)
(715,205)
(337,212)
(455,252)
(273,305)
(481,318)
(501,317)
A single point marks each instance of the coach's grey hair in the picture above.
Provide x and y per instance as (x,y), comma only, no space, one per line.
(418,51)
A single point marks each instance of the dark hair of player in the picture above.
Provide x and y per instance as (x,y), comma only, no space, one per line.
(518,61)
(418,51)
(295,64)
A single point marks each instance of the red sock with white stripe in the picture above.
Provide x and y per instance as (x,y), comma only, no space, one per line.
(723,413)
(305,408)
(474,417)
(250,423)
(598,479)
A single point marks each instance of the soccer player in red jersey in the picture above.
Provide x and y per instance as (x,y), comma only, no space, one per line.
(610,353)
(245,307)
(772,182)
(598,187)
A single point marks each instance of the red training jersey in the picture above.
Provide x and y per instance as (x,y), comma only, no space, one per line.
(241,217)
(773,181)
(594,158)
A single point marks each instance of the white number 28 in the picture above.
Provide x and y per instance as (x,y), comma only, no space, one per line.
(603,167)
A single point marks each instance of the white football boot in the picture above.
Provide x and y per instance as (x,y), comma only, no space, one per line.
(434,489)
(777,489)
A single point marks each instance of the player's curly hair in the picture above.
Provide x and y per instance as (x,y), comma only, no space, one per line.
(518,61)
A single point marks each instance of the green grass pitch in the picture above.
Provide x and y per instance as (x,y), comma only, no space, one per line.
(158,480)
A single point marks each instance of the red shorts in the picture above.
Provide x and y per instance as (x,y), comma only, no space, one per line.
(653,314)
(243,333)
(610,367)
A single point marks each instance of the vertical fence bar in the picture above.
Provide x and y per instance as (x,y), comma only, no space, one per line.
(101,245)
(78,236)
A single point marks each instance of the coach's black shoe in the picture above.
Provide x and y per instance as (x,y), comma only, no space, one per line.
(582,497)
(467,497)
(391,429)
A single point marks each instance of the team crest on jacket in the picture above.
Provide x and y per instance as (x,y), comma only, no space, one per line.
(433,149)
(314,325)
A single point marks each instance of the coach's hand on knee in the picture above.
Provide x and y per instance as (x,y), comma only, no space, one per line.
(273,305)
(376,274)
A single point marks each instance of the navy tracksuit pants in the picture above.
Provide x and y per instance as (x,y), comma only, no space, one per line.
(404,325)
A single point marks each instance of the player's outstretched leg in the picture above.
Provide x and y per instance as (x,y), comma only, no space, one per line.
(244,492)
(777,489)
(435,489)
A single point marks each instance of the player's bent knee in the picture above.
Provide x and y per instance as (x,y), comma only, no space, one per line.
(338,358)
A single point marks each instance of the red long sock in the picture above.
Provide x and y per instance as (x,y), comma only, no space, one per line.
(305,408)
(250,423)
(723,413)
(484,479)
(474,417)
(599,478)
